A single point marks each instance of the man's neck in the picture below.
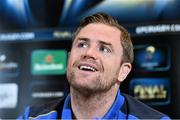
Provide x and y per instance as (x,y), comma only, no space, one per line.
(92,106)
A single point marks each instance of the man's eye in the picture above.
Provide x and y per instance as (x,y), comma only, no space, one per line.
(104,49)
(82,45)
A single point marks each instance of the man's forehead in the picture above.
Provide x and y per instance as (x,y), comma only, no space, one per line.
(100,26)
(89,40)
(100,31)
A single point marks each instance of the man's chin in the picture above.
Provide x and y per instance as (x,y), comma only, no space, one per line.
(88,86)
(87,90)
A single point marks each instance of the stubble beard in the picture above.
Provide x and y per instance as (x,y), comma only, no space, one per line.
(99,85)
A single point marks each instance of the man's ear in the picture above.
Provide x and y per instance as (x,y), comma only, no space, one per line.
(124,71)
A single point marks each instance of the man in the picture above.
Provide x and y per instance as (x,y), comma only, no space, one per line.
(100,59)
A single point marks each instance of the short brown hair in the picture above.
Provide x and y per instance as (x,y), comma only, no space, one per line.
(128,54)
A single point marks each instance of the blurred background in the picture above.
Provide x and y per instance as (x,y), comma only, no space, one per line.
(35,37)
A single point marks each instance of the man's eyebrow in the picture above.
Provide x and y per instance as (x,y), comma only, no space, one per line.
(105,43)
(83,39)
(78,39)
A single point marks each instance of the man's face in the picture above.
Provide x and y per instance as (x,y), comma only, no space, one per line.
(95,58)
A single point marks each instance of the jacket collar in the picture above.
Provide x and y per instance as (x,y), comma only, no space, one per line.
(112,113)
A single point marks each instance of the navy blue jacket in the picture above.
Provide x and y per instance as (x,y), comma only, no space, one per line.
(124,107)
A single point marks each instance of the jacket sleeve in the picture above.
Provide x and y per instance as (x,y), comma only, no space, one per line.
(165,118)
(25,115)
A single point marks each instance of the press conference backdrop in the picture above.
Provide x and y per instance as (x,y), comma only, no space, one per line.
(35,37)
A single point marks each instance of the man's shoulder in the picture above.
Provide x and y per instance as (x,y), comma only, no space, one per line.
(50,109)
(140,110)
(53,105)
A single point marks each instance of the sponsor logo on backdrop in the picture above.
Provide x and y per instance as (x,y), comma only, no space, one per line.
(48,62)
(44,92)
(153,91)
(48,94)
(8,67)
(8,95)
(164,28)
(152,58)
(62,34)
(47,90)
(17,36)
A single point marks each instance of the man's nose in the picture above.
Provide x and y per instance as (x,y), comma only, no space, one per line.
(91,52)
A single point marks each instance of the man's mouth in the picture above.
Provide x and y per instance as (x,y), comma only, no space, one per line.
(87,68)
